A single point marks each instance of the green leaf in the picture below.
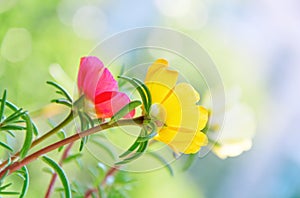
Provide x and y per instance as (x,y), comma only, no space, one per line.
(136,155)
(189,162)
(6,146)
(140,89)
(26,182)
(28,137)
(5,186)
(10,133)
(35,129)
(147,91)
(12,127)
(62,135)
(61,89)
(150,135)
(83,142)
(125,110)
(131,149)
(9,193)
(146,138)
(84,124)
(163,161)
(72,157)
(62,101)
(89,119)
(17,114)
(10,105)
(3,102)
(62,175)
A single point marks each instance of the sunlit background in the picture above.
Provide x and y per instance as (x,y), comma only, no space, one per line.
(255,45)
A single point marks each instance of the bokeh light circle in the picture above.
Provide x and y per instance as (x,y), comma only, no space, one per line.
(131,52)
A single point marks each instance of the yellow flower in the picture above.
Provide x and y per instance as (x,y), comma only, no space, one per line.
(174,109)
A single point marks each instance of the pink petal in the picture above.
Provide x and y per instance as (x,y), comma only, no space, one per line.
(106,82)
(90,70)
(109,103)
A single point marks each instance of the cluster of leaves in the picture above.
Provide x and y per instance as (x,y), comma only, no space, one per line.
(24,176)
(13,120)
(104,182)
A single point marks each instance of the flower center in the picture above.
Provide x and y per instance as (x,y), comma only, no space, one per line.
(158,114)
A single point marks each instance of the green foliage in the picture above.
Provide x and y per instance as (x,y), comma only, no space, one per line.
(71,158)
(4,145)
(85,123)
(60,90)
(139,145)
(16,119)
(3,102)
(121,184)
(28,137)
(62,175)
(66,100)
(190,159)
(125,110)
(25,175)
(143,91)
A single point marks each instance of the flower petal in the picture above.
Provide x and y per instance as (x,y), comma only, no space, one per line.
(94,78)
(89,71)
(109,103)
(181,140)
(106,82)
(184,120)
(203,118)
(199,140)
(181,107)
(160,80)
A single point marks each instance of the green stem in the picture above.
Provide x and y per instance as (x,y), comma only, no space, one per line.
(17,165)
(67,120)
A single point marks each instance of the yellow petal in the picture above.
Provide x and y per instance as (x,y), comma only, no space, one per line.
(160,80)
(199,140)
(165,135)
(181,108)
(183,142)
(203,117)
(184,120)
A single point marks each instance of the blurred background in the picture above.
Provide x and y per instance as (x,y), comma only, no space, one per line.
(255,45)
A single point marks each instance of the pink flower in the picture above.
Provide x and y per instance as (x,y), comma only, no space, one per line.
(99,87)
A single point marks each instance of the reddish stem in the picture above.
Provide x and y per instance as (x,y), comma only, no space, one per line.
(109,173)
(90,192)
(17,165)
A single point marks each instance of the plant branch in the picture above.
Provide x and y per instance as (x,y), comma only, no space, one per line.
(67,120)
(89,193)
(17,165)
(109,173)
